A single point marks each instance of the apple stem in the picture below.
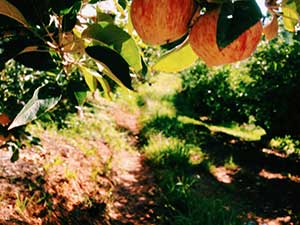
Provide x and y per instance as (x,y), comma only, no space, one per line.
(195,17)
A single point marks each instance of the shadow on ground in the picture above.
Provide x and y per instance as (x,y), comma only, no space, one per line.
(59,185)
(266,185)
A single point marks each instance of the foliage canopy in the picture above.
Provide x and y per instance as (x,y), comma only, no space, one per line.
(78,45)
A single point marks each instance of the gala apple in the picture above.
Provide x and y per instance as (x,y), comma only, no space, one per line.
(4,119)
(159,22)
(203,40)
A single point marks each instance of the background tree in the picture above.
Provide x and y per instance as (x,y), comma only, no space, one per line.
(79,40)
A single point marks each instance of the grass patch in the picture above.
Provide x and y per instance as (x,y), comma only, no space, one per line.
(247,132)
(176,170)
(286,144)
(96,125)
(173,145)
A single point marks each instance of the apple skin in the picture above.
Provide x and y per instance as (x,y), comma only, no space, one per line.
(203,40)
(4,119)
(159,22)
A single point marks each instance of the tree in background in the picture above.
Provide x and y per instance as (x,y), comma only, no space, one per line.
(73,41)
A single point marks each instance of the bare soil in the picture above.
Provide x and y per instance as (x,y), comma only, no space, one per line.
(59,184)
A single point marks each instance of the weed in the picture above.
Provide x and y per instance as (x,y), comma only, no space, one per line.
(21,203)
(230,164)
(69,174)
(56,162)
(286,144)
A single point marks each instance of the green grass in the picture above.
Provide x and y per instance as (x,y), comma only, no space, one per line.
(248,132)
(183,201)
(158,102)
(21,203)
(179,150)
(173,146)
(286,144)
(96,125)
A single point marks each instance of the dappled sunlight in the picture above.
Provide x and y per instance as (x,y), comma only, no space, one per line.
(159,89)
(133,192)
(271,175)
(158,142)
(159,108)
(223,175)
(248,132)
(274,221)
(136,132)
(87,174)
(247,173)
(274,152)
(49,190)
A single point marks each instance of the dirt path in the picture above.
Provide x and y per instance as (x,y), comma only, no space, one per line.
(268,183)
(134,191)
(60,184)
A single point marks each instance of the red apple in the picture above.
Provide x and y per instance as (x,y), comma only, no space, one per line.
(4,119)
(203,40)
(158,22)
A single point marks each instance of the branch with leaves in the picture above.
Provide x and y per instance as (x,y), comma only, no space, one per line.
(104,39)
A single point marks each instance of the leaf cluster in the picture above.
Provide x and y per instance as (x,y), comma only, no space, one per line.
(81,45)
(56,37)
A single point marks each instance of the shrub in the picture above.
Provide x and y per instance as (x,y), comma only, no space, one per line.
(262,88)
(208,93)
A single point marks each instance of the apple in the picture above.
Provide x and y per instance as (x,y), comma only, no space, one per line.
(159,22)
(203,40)
(4,119)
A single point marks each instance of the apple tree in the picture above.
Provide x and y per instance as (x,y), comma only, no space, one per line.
(104,40)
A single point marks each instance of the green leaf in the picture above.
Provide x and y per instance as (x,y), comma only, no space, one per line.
(118,39)
(9,10)
(123,3)
(80,97)
(39,60)
(290,15)
(63,7)
(90,77)
(114,65)
(94,1)
(43,99)
(14,148)
(104,17)
(9,48)
(105,86)
(145,69)
(129,26)
(176,60)
(36,12)
(298,6)
(70,19)
(77,92)
(15,156)
(234,19)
